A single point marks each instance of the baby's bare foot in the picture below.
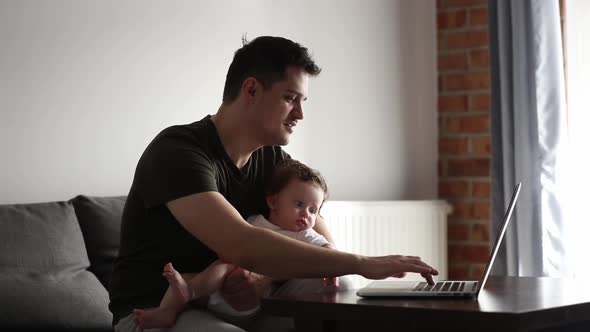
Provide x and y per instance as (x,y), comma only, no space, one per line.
(179,289)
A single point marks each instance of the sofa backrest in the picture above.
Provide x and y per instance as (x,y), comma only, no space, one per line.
(100,221)
(44,278)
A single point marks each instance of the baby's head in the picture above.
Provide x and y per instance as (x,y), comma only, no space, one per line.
(295,195)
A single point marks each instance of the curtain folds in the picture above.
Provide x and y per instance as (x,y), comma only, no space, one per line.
(528,131)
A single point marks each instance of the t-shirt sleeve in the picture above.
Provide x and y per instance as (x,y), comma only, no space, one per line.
(172,168)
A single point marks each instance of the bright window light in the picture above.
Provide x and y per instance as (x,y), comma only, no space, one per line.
(577,199)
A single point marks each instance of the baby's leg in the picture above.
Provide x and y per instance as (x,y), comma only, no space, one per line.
(175,299)
(183,288)
(210,280)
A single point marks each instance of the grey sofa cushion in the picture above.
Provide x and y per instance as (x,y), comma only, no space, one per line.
(100,220)
(43,278)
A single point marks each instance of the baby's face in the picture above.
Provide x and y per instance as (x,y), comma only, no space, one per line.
(296,207)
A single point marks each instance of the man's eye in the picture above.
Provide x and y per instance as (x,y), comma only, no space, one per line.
(290,99)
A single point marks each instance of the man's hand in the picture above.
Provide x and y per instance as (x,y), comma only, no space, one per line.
(242,289)
(396,266)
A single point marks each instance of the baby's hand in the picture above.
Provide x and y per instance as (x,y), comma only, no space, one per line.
(330,282)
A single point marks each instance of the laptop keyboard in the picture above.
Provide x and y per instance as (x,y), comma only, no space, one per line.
(442,286)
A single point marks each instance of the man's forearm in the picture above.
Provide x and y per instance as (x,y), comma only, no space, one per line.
(256,249)
(269,253)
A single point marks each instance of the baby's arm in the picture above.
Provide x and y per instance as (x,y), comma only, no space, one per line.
(330,281)
(312,237)
(329,245)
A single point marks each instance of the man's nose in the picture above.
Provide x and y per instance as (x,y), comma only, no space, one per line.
(298,111)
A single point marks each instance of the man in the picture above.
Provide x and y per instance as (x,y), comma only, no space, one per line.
(195,185)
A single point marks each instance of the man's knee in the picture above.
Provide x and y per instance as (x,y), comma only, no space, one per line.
(187,321)
(199,320)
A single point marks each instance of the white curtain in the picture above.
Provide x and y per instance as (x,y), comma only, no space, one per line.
(528,135)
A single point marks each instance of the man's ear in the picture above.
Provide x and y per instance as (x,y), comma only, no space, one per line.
(271,201)
(250,87)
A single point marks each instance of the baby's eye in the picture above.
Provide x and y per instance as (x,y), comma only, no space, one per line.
(312,210)
(299,203)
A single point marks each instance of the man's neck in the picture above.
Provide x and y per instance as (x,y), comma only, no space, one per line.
(237,140)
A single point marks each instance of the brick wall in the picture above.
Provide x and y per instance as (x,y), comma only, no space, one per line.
(464,131)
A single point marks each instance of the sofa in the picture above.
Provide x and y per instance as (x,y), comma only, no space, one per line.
(55,263)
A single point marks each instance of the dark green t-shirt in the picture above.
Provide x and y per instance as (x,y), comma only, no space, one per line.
(180,161)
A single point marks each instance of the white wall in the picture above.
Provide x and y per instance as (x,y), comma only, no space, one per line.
(85,85)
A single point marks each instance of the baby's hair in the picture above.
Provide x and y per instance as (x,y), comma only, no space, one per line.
(290,169)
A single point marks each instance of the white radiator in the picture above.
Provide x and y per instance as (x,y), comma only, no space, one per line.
(376,228)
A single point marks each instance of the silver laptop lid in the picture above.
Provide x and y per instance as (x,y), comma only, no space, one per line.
(499,238)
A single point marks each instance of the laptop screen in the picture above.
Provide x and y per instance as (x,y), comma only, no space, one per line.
(499,238)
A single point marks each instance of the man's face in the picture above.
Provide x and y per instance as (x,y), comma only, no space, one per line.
(296,207)
(279,107)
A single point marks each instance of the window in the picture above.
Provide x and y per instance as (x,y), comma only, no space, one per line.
(577,197)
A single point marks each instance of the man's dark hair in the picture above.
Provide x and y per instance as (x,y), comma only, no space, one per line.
(290,169)
(265,58)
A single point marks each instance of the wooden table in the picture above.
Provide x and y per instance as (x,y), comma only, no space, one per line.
(505,304)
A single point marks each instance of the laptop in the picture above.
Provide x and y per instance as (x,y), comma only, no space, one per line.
(446,288)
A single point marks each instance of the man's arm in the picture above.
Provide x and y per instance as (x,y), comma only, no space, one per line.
(320,227)
(212,219)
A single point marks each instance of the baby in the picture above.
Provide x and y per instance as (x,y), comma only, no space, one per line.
(295,196)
